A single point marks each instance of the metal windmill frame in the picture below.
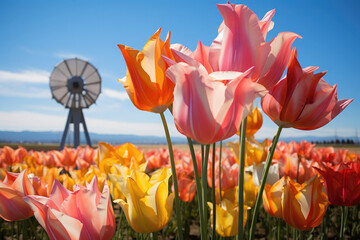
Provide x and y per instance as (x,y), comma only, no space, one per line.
(76,84)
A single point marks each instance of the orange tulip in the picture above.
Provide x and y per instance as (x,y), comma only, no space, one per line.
(146,84)
(9,156)
(157,158)
(272,196)
(296,167)
(304,205)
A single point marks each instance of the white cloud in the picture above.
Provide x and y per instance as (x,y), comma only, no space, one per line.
(115,94)
(25,120)
(66,55)
(25,76)
(30,92)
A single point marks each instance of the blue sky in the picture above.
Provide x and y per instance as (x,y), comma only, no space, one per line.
(37,35)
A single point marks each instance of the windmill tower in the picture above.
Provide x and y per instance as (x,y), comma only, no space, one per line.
(76,84)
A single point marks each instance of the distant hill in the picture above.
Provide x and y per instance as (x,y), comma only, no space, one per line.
(55,137)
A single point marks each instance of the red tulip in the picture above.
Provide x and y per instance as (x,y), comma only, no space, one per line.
(302,99)
(342,182)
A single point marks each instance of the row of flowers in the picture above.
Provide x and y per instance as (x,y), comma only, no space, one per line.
(138,181)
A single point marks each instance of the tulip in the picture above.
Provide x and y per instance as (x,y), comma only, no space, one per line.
(304,205)
(148,207)
(146,84)
(342,182)
(213,114)
(187,188)
(82,177)
(254,122)
(241,45)
(9,156)
(12,190)
(272,197)
(227,217)
(185,175)
(302,100)
(157,158)
(85,156)
(250,192)
(296,167)
(67,158)
(110,159)
(85,213)
(255,153)
(229,173)
(272,177)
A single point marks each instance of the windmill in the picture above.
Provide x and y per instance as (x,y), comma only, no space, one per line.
(75,84)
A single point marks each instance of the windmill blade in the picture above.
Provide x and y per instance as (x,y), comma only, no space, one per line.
(75,83)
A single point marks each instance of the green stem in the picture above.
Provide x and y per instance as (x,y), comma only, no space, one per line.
(220,155)
(344,213)
(33,228)
(155,235)
(241,178)
(205,186)
(203,228)
(263,181)
(278,228)
(118,229)
(173,170)
(214,192)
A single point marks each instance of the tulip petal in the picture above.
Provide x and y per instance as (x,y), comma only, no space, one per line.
(58,193)
(266,24)
(278,58)
(240,44)
(12,205)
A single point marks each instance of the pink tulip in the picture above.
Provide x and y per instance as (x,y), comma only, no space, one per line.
(12,190)
(85,213)
(241,45)
(302,100)
(210,108)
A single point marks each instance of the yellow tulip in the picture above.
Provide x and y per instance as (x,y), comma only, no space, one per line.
(109,158)
(227,217)
(83,176)
(250,192)
(254,152)
(146,83)
(254,122)
(147,207)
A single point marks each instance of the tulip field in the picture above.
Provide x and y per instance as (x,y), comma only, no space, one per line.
(83,192)
(213,188)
